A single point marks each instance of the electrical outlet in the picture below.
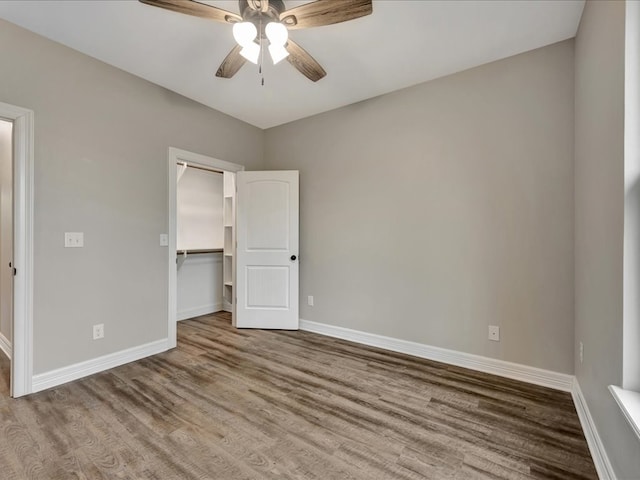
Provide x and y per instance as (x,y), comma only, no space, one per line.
(494,333)
(98,331)
(310,300)
(581,352)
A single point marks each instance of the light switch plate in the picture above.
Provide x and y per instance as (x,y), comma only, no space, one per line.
(73,239)
(164,240)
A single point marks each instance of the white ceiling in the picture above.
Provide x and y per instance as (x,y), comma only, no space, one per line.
(402,43)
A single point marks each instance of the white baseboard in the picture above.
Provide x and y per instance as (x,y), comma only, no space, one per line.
(5,346)
(62,375)
(598,453)
(525,373)
(197,311)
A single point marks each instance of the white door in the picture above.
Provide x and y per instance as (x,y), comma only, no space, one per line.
(267,250)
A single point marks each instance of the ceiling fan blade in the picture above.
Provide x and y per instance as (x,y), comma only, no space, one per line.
(325,12)
(196,9)
(231,64)
(305,63)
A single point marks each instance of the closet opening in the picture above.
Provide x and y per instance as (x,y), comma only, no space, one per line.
(203,269)
(6,255)
(201,237)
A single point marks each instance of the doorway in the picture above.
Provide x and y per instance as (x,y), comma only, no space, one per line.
(6,253)
(175,157)
(21,270)
(199,241)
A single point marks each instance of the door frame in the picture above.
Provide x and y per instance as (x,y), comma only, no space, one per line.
(23,193)
(176,155)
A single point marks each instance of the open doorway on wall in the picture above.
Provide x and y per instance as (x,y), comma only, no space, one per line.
(199,241)
(179,163)
(6,255)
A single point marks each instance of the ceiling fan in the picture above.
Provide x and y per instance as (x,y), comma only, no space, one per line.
(267,20)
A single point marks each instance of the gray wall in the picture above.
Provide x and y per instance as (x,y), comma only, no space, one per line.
(100,167)
(432,212)
(6,228)
(599,223)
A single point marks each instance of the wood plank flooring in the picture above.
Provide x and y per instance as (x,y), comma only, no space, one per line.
(247,404)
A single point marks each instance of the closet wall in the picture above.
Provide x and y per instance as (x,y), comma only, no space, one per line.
(199,231)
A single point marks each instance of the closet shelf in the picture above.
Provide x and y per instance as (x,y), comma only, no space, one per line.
(199,251)
(229,232)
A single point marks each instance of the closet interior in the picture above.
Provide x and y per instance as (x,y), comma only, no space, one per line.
(205,240)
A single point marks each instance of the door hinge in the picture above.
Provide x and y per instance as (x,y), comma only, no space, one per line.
(15,272)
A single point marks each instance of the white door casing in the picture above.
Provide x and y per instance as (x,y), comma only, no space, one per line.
(175,156)
(23,191)
(267,249)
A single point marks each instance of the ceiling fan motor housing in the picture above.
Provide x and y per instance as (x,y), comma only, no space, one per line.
(259,18)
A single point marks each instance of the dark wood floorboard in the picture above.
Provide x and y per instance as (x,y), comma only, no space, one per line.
(248,404)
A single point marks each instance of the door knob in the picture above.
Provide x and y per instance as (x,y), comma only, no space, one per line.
(293,257)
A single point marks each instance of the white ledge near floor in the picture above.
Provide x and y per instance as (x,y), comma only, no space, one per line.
(629,402)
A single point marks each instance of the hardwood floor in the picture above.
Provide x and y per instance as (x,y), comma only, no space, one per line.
(247,404)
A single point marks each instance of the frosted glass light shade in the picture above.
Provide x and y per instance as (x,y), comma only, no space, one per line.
(276,33)
(278,53)
(251,51)
(244,33)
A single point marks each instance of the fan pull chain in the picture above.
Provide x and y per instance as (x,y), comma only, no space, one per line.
(261,54)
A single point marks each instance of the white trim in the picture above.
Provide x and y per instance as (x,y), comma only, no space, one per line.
(598,453)
(174,156)
(23,191)
(5,346)
(197,311)
(525,373)
(62,375)
(631,274)
(629,403)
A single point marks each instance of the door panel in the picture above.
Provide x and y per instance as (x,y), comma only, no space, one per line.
(267,250)
(267,287)
(268,214)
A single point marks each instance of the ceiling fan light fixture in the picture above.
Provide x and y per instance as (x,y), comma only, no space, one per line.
(276,33)
(278,53)
(244,33)
(251,51)
(269,20)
